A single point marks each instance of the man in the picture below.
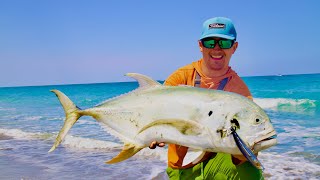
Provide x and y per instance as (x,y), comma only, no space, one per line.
(217,45)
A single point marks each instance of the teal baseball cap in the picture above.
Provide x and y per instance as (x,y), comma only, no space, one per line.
(219,27)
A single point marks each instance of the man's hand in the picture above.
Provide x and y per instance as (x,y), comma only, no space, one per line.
(239,159)
(154,144)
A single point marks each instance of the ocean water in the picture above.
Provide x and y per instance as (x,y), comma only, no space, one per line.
(30,118)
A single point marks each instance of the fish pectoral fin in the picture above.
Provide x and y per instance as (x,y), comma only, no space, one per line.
(184,126)
(128,150)
(193,156)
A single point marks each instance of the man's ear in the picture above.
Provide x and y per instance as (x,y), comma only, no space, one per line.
(234,47)
(200,46)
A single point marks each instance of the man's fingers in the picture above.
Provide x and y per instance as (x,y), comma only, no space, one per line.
(154,144)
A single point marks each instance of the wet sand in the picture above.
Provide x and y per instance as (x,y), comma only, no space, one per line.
(12,169)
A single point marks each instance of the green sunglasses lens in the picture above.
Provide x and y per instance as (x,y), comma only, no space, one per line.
(225,44)
(209,43)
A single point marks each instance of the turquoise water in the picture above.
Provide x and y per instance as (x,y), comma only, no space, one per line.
(30,118)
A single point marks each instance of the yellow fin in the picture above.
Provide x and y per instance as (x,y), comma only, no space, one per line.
(127,151)
(184,126)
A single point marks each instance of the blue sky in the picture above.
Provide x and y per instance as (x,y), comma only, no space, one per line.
(46,42)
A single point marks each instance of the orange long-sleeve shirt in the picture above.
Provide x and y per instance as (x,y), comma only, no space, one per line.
(186,76)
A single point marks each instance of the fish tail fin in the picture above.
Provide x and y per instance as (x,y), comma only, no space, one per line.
(128,150)
(72,115)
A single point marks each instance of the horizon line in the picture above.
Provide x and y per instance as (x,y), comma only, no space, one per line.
(18,86)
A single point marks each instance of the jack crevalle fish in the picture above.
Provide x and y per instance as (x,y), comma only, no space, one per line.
(194,117)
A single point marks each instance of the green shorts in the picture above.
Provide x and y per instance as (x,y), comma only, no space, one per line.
(218,167)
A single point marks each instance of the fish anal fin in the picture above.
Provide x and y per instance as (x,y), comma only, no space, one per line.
(193,156)
(184,126)
(128,151)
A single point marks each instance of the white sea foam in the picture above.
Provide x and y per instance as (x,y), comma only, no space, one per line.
(19,134)
(55,118)
(33,118)
(7,109)
(282,166)
(82,143)
(309,136)
(88,143)
(69,141)
(84,121)
(300,131)
(158,153)
(158,173)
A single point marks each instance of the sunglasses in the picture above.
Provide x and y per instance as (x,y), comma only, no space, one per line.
(210,43)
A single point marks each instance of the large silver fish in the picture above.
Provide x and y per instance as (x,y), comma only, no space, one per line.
(194,117)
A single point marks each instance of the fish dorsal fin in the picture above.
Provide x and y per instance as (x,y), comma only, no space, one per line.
(193,156)
(143,80)
(128,151)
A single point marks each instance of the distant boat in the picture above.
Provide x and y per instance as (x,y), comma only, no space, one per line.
(279,75)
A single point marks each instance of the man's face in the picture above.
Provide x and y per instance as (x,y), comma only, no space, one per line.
(217,58)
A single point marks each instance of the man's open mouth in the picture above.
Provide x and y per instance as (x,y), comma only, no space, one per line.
(216,57)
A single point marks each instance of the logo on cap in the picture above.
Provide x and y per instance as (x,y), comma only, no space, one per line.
(216,25)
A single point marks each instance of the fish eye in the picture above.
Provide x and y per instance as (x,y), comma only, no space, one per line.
(258,120)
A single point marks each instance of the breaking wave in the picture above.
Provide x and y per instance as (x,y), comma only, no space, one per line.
(81,143)
(69,141)
(88,143)
(287,105)
(19,134)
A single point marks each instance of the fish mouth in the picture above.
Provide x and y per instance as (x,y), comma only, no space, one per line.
(265,141)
